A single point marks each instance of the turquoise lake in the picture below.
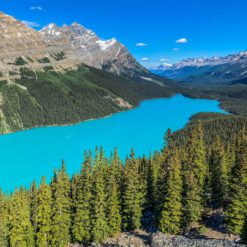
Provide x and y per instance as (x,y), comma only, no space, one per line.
(30,154)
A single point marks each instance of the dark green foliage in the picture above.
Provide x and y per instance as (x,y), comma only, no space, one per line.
(171,212)
(34,205)
(70,97)
(58,56)
(233,98)
(132,195)
(11,73)
(44,213)
(81,227)
(4,220)
(21,230)
(194,176)
(244,232)
(61,208)
(48,68)
(219,169)
(107,196)
(44,60)
(237,208)
(113,191)
(3,83)
(20,61)
(27,73)
(100,228)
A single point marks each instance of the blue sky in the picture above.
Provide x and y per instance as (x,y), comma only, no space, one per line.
(167,30)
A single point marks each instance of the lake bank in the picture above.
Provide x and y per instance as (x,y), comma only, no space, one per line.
(30,154)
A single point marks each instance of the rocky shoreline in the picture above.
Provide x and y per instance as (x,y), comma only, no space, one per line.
(143,239)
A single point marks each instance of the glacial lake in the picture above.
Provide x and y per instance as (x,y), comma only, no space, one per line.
(28,155)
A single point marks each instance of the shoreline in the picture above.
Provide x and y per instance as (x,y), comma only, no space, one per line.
(107,116)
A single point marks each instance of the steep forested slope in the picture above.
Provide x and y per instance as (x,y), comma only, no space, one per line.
(48,97)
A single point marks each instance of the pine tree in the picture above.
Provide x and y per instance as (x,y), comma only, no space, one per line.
(153,167)
(219,175)
(244,232)
(81,228)
(4,230)
(100,229)
(44,201)
(132,197)
(61,208)
(195,168)
(171,214)
(21,229)
(238,188)
(160,186)
(113,198)
(34,205)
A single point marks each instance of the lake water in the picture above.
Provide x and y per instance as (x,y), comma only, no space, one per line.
(28,155)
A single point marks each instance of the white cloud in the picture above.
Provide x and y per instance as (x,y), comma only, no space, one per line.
(141,44)
(36,8)
(31,23)
(164,59)
(145,59)
(176,49)
(182,41)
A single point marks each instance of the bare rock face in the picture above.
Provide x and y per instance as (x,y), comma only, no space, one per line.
(76,44)
(162,240)
(87,47)
(21,46)
(17,39)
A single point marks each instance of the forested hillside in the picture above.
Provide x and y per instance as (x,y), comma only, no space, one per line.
(182,185)
(232,98)
(50,97)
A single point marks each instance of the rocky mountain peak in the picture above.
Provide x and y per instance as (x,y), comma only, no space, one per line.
(77,43)
(6,18)
(90,49)
(16,38)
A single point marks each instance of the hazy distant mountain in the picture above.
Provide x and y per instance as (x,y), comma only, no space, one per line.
(207,70)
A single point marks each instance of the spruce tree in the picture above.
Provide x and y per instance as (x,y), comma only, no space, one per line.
(44,202)
(4,229)
(81,228)
(244,231)
(34,205)
(100,229)
(171,214)
(61,208)
(21,229)
(132,197)
(219,175)
(113,200)
(238,188)
(195,168)
(161,170)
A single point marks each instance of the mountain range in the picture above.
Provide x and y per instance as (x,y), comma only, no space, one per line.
(62,75)
(207,71)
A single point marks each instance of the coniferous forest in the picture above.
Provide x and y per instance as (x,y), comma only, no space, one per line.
(200,169)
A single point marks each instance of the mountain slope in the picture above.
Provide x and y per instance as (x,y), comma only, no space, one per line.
(83,43)
(48,98)
(47,78)
(207,71)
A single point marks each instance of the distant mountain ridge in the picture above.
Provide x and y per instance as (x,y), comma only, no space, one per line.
(207,70)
